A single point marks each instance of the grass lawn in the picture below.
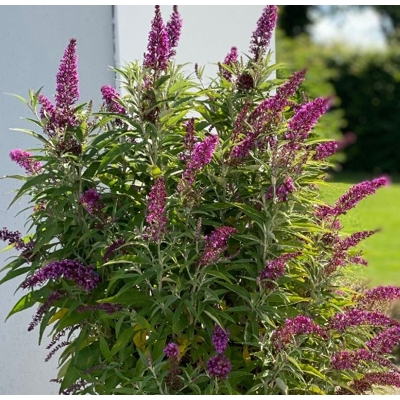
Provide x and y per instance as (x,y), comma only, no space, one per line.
(382,210)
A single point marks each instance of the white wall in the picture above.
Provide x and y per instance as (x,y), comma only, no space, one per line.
(34,38)
(33,41)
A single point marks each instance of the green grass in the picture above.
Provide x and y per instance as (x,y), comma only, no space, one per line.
(382,210)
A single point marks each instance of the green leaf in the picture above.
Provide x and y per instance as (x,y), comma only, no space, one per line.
(282,385)
(14,273)
(309,369)
(123,339)
(23,303)
(31,182)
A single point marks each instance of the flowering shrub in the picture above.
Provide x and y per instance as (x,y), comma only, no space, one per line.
(177,243)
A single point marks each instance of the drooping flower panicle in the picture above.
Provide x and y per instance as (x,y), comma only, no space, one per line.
(384,342)
(373,298)
(325,150)
(84,277)
(24,159)
(356,317)
(305,118)
(365,384)
(351,359)
(351,198)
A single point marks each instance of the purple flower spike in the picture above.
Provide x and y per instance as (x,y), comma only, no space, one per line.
(351,198)
(47,110)
(276,268)
(381,294)
(158,48)
(111,97)
(262,35)
(306,117)
(85,277)
(217,242)
(220,339)
(300,325)
(174,26)
(384,342)
(229,60)
(67,91)
(171,350)
(219,366)
(156,218)
(325,150)
(351,359)
(356,317)
(91,201)
(24,159)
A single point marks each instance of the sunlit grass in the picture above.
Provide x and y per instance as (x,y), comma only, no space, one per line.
(381,210)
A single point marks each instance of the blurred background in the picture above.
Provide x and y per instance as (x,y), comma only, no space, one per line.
(352,53)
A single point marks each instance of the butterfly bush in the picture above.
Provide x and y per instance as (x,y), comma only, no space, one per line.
(177,242)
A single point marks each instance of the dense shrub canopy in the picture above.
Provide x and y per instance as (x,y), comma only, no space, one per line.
(177,243)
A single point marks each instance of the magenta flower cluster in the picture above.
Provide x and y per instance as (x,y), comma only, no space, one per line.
(351,359)
(371,298)
(305,118)
(278,102)
(111,97)
(229,60)
(300,325)
(357,317)
(156,217)
(325,150)
(262,35)
(41,311)
(189,140)
(219,366)
(201,156)
(275,269)
(351,198)
(384,342)
(84,277)
(91,200)
(67,93)
(220,339)
(282,191)
(174,27)
(12,238)
(217,243)
(363,385)
(162,40)
(109,308)
(24,159)
(171,350)
(264,113)
(112,248)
